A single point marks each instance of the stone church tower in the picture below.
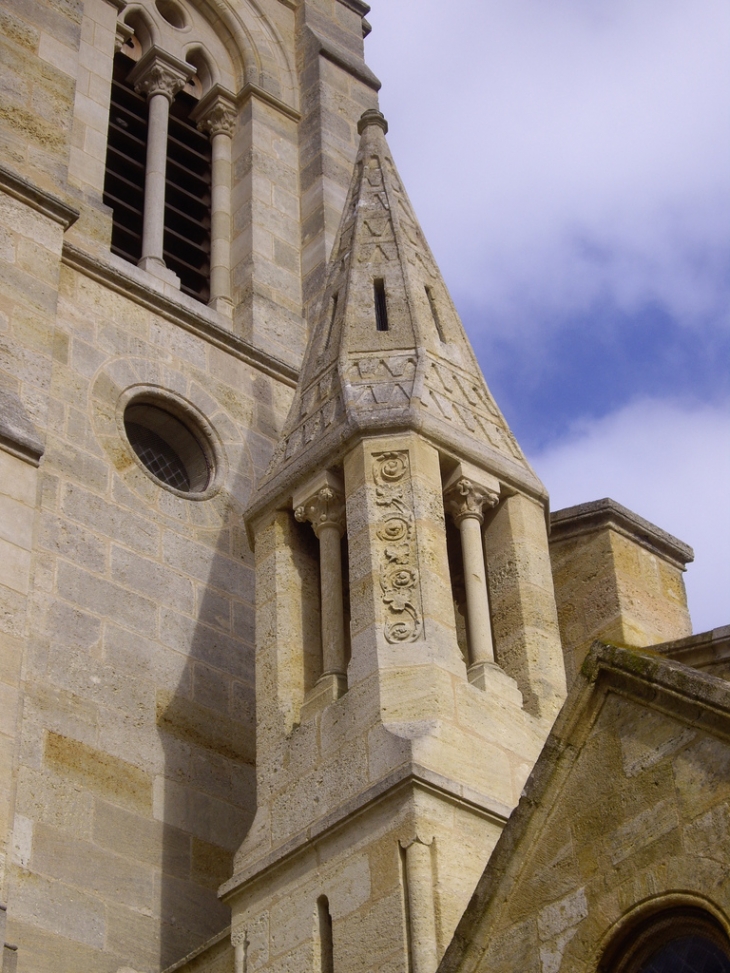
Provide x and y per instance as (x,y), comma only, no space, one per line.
(392,744)
(282,631)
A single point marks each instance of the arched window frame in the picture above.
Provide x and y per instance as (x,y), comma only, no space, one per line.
(642,936)
(186,178)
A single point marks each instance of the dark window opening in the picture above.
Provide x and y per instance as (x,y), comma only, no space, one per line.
(679,940)
(186,247)
(167,448)
(326,944)
(125,163)
(381,305)
(688,954)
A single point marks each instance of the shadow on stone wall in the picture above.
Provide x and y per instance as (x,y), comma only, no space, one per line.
(207,726)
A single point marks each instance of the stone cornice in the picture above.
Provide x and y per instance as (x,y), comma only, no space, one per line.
(409,775)
(38,199)
(588,518)
(255,91)
(18,435)
(699,651)
(357,6)
(199,320)
(345,60)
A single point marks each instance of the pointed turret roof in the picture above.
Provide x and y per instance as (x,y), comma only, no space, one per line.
(387,350)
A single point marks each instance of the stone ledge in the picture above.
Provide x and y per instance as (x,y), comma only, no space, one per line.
(251,90)
(698,651)
(343,59)
(586,518)
(194,317)
(411,774)
(357,6)
(18,435)
(38,199)
(224,936)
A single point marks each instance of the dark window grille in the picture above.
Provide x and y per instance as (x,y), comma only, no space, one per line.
(186,246)
(187,200)
(168,448)
(158,456)
(125,162)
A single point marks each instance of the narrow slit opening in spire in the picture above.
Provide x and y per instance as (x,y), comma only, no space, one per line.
(333,312)
(434,313)
(381,305)
(326,945)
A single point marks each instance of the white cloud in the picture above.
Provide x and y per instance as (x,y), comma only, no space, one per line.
(671,464)
(566,152)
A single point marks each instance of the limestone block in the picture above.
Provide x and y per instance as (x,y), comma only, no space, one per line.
(617,577)
(524,619)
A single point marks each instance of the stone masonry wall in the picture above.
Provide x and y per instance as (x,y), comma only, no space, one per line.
(135,781)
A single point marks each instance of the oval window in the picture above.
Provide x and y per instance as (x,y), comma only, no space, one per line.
(170,12)
(168,449)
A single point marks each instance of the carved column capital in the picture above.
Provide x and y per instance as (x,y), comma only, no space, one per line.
(465,498)
(325,508)
(158,73)
(468,491)
(322,503)
(216,113)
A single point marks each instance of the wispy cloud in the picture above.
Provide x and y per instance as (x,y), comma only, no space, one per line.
(568,152)
(669,463)
(570,163)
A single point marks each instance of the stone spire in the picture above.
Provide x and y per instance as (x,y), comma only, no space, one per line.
(387,349)
(396,720)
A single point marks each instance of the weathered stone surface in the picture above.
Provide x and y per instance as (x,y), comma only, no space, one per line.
(617,827)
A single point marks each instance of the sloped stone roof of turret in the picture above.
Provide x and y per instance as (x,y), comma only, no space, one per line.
(405,365)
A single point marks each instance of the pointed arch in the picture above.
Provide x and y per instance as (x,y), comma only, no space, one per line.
(258,51)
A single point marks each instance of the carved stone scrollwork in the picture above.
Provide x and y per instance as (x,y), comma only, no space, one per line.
(325,508)
(467,499)
(399,579)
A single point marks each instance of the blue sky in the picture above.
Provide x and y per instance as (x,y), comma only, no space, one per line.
(570,164)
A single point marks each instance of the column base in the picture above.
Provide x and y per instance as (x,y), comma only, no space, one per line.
(326,690)
(156,267)
(489,677)
(223,305)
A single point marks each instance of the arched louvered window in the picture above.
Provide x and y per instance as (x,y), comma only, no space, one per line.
(187,218)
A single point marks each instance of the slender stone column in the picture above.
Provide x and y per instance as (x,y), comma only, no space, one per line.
(466,494)
(465,501)
(419,885)
(323,505)
(216,115)
(160,77)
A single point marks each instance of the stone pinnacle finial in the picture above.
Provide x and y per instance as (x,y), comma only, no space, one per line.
(372,117)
